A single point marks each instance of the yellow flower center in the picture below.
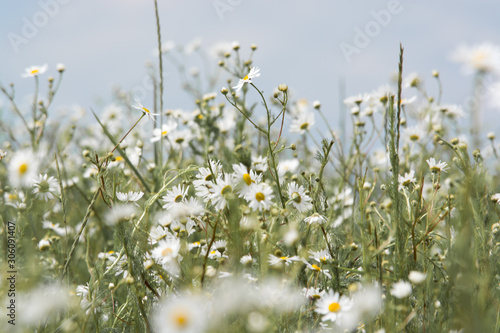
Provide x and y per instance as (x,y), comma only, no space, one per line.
(164,133)
(166,251)
(145,110)
(247,179)
(226,189)
(209,177)
(414,137)
(245,78)
(259,196)
(178,198)
(304,126)
(296,197)
(180,319)
(435,169)
(34,71)
(334,307)
(23,168)
(119,159)
(283,258)
(200,116)
(316,267)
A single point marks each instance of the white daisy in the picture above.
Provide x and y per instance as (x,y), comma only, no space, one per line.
(130,196)
(244,178)
(254,72)
(222,191)
(496,198)
(260,197)
(302,123)
(165,130)
(484,57)
(246,259)
(315,219)
(437,167)
(332,306)
(313,293)
(138,105)
(298,197)
(167,250)
(185,314)
(45,187)
(320,256)
(274,260)
(318,269)
(175,196)
(409,178)
(23,168)
(285,166)
(35,71)
(259,163)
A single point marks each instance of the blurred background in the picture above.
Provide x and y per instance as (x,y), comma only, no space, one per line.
(324,50)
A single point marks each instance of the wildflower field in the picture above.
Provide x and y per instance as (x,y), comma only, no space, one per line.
(246,211)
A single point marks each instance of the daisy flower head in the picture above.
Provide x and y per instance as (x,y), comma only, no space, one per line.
(186,314)
(45,187)
(165,130)
(274,260)
(409,178)
(35,71)
(259,163)
(23,168)
(138,105)
(285,166)
(302,123)
(254,72)
(437,167)
(175,196)
(401,289)
(313,293)
(484,58)
(244,178)
(166,250)
(130,196)
(298,197)
(260,197)
(316,268)
(332,306)
(222,191)
(315,218)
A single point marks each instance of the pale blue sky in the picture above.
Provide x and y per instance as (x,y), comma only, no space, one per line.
(107,42)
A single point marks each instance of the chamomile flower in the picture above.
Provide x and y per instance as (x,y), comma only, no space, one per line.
(23,168)
(409,178)
(313,293)
(130,196)
(315,219)
(332,306)
(437,167)
(247,260)
(496,198)
(45,187)
(302,123)
(285,166)
(298,197)
(274,260)
(320,256)
(244,178)
(222,191)
(35,71)
(165,130)
(254,72)
(259,163)
(175,196)
(167,250)
(186,314)
(484,58)
(401,289)
(260,197)
(138,105)
(318,269)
